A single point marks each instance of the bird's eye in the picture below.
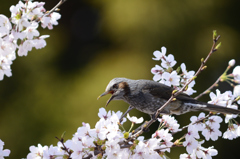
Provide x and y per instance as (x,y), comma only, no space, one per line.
(115,86)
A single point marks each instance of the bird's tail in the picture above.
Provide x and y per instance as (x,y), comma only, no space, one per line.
(221,109)
(198,106)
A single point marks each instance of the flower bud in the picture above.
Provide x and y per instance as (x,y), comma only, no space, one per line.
(232,62)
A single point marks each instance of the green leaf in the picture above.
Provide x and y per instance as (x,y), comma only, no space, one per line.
(218,46)
(214,34)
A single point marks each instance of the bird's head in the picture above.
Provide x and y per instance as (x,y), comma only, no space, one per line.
(117,87)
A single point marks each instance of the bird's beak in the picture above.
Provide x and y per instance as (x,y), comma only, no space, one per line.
(105,93)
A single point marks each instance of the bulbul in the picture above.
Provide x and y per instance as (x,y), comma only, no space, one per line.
(148,96)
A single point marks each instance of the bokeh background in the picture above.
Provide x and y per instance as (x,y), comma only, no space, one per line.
(54,89)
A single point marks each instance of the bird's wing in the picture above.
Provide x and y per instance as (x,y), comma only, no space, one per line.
(164,91)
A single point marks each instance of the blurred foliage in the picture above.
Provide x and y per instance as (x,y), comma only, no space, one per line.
(55,89)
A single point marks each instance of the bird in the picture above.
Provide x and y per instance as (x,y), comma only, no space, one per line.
(148,96)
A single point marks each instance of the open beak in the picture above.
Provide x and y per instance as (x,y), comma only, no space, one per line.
(105,93)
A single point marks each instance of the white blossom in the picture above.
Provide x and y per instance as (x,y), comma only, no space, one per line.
(104,114)
(187,156)
(168,61)
(25,47)
(52,20)
(166,137)
(211,129)
(53,152)
(186,77)
(209,152)
(36,152)
(232,132)
(160,55)
(231,116)
(78,150)
(211,133)
(236,74)
(134,119)
(40,42)
(5,25)
(170,78)
(221,99)
(198,125)
(190,145)
(157,71)
(170,122)
(31,31)
(236,91)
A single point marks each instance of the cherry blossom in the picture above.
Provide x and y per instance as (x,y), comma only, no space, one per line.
(170,122)
(198,125)
(157,71)
(104,114)
(236,92)
(36,152)
(170,78)
(5,25)
(160,55)
(236,74)
(232,132)
(134,119)
(168,61)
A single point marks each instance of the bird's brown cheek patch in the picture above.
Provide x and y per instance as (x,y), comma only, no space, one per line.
(122,85)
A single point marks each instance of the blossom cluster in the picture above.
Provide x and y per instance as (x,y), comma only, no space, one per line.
(227,99)
(209,129)
(167,75)
(19,32)
(108,140)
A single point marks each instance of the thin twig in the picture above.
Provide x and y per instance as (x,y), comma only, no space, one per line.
(209,89)
(57,6)
(215,83)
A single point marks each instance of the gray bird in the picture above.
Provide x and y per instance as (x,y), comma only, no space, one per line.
(148,96)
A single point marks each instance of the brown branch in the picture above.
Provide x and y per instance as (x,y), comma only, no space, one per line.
(64,148)
(54,8)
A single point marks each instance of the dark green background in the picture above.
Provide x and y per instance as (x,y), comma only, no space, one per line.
(55,89)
